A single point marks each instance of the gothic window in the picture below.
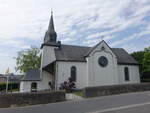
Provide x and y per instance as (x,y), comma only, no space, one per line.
(33,86)
(73,73)
(126,73)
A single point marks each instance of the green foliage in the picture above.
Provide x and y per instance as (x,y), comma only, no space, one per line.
(147,49)
(146,62)
(139,56)
(143,57)
(28,59)
(78,93)
(11,86)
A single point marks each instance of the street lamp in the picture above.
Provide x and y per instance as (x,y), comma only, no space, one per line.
(7,81)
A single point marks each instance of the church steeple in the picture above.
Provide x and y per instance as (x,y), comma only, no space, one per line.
(51,23)
(50,35)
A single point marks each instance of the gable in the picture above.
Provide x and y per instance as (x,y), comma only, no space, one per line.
(100,47)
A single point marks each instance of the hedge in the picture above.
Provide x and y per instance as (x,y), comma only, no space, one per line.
(11,86)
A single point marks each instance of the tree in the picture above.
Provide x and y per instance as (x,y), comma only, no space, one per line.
(146,62)
(143,58)
(147,49)
(139,56)
(28,59)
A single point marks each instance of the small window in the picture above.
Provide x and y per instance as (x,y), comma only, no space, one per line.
(50,85)
(73,73)
(102,48)
(34,86)
(126,73)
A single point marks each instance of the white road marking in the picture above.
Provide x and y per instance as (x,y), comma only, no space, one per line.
(121,107)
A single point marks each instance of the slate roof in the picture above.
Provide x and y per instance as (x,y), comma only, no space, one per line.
(78,53)
(123,57)
(71,53)
(32,75)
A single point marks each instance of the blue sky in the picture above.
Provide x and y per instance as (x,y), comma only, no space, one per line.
(121,23)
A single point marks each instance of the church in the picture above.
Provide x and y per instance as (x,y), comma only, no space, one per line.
(99,65)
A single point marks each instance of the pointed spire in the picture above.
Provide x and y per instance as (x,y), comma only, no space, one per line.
(51,24)
(51,35)
(51,12)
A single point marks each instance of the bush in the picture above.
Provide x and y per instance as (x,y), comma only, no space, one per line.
(11,86)
(69,85)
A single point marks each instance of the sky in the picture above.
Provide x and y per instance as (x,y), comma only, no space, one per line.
(121,23)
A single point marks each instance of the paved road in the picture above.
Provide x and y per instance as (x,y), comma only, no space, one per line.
(124,103)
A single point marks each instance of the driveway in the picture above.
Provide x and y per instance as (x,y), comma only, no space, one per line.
(123,103)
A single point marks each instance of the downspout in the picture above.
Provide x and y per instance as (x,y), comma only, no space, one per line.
(56,75)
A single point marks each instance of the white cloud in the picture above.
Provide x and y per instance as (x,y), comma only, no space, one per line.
(134,36)
(130,48)
(92,42)
(25,21)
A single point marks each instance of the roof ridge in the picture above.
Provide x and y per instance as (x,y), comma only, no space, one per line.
(76,45)
(116,48)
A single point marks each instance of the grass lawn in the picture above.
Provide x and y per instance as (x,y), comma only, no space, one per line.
(78,93)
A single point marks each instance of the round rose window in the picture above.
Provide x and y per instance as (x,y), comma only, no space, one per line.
(103,61)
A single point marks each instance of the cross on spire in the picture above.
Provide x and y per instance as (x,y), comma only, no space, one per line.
(51,12)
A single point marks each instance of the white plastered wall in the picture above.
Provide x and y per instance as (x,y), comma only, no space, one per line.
(97,75)
(134,76)
(25,86)
(63,73)
(48,55)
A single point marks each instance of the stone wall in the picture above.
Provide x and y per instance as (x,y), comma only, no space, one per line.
(114,89)
(22,99)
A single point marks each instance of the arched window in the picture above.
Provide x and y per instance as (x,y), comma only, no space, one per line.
(33,86)
(126,73)
(50,85)
(73,73)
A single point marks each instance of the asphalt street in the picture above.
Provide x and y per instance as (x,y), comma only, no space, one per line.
(123,103)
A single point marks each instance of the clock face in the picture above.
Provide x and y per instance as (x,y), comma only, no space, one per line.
(103,61)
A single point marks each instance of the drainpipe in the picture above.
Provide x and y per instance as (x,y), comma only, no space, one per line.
(56,75)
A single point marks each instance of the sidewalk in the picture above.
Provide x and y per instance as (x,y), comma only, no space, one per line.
(70,96)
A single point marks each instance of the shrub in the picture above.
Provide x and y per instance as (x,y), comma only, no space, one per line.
(11,86)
